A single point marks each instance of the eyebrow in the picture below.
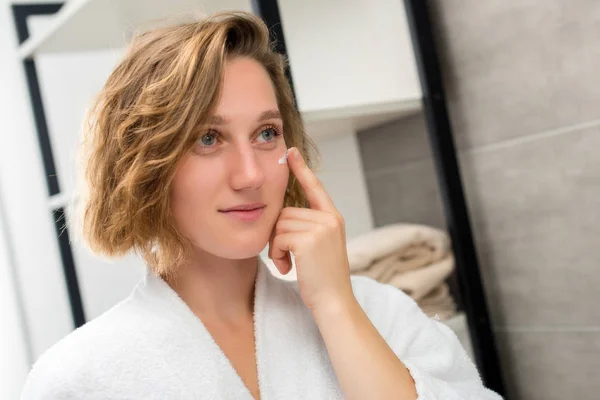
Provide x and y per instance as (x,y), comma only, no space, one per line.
(265,115)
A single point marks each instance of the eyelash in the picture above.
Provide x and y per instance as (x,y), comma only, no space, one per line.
(276,130)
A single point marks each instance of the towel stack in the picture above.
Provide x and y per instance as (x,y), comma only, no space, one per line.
(416,259)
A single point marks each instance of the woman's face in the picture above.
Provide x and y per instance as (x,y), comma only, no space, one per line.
(234,162)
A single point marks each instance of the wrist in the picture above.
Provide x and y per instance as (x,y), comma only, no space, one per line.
(335,308)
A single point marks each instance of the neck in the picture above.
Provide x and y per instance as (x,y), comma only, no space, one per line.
(216,288)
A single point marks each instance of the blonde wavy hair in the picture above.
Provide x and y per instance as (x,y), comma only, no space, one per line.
(147,117)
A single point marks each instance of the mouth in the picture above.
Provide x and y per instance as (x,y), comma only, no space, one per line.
(245,215)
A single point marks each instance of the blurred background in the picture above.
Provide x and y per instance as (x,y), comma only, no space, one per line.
(522,95)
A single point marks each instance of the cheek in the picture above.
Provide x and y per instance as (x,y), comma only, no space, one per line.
(278,175)
(191,192)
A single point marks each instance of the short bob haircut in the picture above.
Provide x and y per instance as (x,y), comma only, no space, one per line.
(147,117)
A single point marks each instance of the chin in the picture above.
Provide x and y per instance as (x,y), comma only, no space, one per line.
(243,254)
(247,245)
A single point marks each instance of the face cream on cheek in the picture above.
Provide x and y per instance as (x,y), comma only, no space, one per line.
(283,158)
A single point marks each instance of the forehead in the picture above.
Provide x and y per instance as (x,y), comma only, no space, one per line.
(247,88)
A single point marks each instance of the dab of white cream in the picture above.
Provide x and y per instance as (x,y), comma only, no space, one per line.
(283,158)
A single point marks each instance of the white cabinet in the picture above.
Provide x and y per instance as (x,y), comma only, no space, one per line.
(352,62)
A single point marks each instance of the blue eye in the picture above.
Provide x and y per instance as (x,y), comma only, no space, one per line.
(274,132)
(210,134)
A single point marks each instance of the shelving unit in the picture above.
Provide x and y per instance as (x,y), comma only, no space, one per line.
(88,25)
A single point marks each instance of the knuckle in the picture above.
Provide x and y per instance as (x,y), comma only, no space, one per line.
(333,222)
(278,228)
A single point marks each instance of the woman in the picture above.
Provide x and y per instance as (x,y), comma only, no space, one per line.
(179,169)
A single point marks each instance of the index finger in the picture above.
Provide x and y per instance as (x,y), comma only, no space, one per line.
(316,195)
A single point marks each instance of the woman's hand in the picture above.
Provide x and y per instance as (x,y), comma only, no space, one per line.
(317,238)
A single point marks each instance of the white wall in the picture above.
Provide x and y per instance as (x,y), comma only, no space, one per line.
(14,360)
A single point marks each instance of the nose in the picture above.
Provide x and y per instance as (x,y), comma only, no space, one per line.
(247,172)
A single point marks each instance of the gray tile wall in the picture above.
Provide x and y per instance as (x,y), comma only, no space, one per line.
(523,86)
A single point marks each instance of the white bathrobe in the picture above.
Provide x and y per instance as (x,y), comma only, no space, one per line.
(151,346)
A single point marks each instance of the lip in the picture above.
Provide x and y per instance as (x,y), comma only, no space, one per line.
(245,207)
(245,216)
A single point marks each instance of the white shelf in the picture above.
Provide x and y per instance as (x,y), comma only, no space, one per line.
(58,200)
(84,25)
(323,123)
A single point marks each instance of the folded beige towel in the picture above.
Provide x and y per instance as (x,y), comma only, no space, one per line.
(402,260)
(379,243)
(416,259)
(438,302)
(417,283)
